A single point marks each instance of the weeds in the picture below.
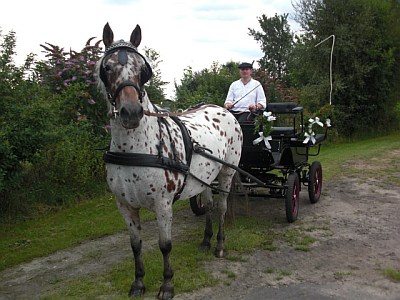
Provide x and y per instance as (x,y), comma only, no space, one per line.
(392,274)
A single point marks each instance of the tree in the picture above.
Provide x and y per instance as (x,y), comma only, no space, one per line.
(154,86)
(25,116)
(205,86)
(364,60)
(276,42)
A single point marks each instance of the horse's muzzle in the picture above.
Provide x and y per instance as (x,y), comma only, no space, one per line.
(130,115)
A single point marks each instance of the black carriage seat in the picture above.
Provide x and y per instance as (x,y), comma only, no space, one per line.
(285,108)
(292,133)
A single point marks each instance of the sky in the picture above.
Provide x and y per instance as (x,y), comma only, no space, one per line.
(183,33)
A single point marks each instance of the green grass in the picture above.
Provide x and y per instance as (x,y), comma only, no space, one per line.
(45,234)
(334,156)
(392,274)
(185,258)
(341,275)
(298,240)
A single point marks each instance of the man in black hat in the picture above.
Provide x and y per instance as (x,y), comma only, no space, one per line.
(246,95)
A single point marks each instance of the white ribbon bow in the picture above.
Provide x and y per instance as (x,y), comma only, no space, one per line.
(316,121)
(328,123)
(309,136)
(263,138)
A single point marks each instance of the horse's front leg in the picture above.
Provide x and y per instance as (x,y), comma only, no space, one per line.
(132,220)
(225,183)
(164,220)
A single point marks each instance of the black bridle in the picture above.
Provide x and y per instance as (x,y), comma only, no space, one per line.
(145,74)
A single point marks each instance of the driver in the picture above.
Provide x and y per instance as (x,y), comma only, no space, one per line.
(245,95)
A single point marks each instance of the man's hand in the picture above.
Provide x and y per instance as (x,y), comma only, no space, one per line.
(228,105)
(253,107)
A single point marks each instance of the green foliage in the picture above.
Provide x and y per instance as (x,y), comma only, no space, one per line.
(276,42)
(276,90)
(206,86)
(25,110)
(72,75)
(392,274)
(52,121)
(154,87)
(73,161)
(365,60)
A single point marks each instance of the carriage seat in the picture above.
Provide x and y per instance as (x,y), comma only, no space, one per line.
(283,131)
(284,108)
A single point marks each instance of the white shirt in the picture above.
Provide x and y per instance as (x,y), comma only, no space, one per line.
(243,95)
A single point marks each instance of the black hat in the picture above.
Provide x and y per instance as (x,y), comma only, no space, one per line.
(246,65)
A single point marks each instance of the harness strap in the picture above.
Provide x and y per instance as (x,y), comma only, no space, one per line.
(144,160)
(187,141)
(201,151)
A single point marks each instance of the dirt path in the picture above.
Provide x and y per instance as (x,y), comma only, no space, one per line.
(356,227)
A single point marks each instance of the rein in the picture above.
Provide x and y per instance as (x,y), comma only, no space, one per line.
(176,114)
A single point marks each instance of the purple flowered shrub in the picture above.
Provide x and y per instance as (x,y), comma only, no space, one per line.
(72,75)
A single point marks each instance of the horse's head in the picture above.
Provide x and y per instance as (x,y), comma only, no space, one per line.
(124,71)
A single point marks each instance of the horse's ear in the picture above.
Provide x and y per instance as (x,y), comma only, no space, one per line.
(108,35)
(136,36)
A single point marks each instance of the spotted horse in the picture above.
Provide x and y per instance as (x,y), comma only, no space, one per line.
(156,158)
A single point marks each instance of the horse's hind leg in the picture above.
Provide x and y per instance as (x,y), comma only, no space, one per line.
(132,220)
(205,245)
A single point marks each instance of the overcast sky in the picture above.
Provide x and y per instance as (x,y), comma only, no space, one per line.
(184,33)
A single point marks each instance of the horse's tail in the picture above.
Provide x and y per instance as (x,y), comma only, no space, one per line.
(237,190)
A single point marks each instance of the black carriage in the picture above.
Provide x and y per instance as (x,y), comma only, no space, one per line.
(281,170)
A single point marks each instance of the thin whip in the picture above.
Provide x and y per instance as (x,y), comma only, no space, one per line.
(245,95)
(330,68)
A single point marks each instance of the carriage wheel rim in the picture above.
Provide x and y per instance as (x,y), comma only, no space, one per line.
(295,198)
(317,183)
(199,202)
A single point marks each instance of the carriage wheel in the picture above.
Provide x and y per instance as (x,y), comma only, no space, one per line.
(315,182)
(197,205)
(292,197)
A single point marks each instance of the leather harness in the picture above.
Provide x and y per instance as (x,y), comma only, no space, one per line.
(159,160)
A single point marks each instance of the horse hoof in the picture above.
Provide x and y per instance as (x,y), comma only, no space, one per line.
(136,291)
(204,247)
(166,293)
(220,253)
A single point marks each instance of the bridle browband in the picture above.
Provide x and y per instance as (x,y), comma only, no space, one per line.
(146,72)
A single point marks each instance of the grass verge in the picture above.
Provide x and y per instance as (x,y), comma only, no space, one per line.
(47,233)
(247,233)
